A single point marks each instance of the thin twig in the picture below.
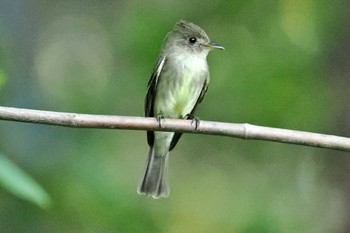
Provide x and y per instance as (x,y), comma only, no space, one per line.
(245,131)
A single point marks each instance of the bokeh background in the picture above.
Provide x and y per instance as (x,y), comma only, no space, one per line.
(286,65)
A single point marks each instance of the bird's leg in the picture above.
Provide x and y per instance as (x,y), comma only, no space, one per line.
(160,118)
(195,120)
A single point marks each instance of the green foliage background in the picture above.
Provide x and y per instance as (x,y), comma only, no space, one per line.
(283,67)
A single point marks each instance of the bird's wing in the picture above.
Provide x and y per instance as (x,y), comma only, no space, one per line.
(151,95)
(177,136)
(201,96)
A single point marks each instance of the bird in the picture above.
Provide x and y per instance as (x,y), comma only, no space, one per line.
(178,83)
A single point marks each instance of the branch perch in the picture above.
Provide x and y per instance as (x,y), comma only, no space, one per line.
(244,131)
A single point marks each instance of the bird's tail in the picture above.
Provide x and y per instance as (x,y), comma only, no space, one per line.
(154,183)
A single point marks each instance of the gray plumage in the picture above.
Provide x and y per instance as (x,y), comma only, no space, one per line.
(177,85)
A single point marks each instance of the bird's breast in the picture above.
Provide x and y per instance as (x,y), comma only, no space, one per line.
(179,86)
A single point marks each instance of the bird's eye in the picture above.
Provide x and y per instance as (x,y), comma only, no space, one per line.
(192,40)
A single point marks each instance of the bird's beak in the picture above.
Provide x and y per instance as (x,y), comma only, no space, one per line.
(214,46)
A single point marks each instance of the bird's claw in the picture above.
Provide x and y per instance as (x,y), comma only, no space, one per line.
(194,120)
(160,118)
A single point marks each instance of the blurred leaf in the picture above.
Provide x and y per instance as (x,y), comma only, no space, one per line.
(16,181)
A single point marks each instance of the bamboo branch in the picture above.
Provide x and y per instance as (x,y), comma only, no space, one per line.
(244,131)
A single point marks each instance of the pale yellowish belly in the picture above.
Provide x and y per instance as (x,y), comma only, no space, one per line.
(176,98)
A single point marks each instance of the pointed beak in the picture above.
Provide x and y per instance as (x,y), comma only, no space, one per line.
(214,46)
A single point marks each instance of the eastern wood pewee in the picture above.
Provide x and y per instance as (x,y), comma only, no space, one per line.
(177,85)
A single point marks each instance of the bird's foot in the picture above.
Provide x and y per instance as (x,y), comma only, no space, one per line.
(195,120)
(160,118)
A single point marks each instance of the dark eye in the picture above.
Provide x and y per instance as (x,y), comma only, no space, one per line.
(192,40)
